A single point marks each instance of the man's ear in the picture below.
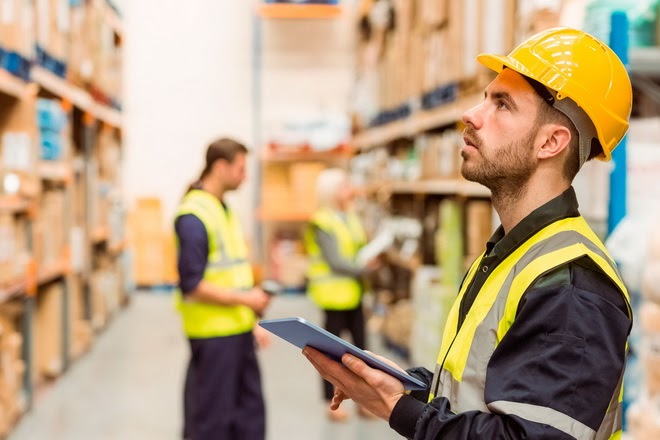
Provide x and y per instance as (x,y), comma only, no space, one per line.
(219,166)
(553,140)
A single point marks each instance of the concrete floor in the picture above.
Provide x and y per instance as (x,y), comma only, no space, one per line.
(129,385)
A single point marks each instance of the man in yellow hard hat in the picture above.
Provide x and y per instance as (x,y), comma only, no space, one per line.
(535,343)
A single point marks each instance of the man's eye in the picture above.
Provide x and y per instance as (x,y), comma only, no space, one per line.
(502,105)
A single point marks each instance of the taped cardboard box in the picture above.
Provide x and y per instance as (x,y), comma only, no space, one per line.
(17,27)
(48,332)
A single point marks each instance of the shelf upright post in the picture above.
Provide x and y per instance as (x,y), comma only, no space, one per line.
(618,176)
(257,49)
(29,305)
(88,147)
(67,106)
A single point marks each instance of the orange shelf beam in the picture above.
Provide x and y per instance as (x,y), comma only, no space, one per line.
(49,273)
(305,11)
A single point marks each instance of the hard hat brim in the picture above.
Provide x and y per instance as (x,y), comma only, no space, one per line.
(498,62)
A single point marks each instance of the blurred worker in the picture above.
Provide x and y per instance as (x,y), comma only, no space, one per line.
(535,344)
(219,304)
(333,239)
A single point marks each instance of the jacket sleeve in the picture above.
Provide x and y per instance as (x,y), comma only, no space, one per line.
(193,251)
(330,252)
(551,377)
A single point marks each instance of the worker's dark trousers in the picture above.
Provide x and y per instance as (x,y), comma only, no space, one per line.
(335,322)
(222,396)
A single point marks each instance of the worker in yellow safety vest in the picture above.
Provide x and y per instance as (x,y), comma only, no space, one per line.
(219,304)
(535,343)
(335,279)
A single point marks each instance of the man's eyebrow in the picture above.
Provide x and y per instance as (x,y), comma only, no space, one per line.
(503,96)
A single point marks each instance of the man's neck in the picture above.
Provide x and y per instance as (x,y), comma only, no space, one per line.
(513,206)
(214,188)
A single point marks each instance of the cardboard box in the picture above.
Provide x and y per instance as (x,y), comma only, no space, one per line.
(17,27)
(431,14)
(479,225)
(48,332)
(303,178)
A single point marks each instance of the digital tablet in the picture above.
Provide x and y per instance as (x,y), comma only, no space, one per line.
(302,333)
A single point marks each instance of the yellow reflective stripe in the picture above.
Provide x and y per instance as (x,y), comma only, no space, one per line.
(527,276)
(545,415)
(460,347)
(451,325)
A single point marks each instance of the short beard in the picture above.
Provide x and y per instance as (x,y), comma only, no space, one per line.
(508,175)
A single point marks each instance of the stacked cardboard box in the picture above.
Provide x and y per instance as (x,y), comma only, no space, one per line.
(81,64)
(12,370)
(16,27)
(48,332)
(290,188)
(439,158)
(80,330)
(154,249)
(50,236)
(479,216)
(14,254)
(428,45)
(53,18)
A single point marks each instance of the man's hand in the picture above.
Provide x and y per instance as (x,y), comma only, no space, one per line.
(261,336)
(256,299)
(375,390)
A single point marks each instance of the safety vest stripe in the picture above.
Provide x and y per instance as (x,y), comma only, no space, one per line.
(225,263)
(545,415)
(452,318)
(613,420)
(530,273)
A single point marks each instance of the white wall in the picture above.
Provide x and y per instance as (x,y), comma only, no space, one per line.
(188,79)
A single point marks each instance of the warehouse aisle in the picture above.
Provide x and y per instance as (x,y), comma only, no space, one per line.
(128,386)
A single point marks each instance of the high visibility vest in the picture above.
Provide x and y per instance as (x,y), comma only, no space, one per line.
(227,267)
(328,290)
(460,375)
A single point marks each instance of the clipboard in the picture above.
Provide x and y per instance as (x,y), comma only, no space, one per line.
(302,333)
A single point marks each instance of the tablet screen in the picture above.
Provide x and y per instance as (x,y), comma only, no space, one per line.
(302,333)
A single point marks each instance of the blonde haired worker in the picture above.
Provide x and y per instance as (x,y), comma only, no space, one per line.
(332,240)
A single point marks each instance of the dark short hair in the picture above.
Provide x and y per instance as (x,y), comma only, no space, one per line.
(225,149)
(220,149)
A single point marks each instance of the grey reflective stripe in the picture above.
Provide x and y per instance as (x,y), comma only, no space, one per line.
(225,263)
(545,415)
(613,420)
(469,394)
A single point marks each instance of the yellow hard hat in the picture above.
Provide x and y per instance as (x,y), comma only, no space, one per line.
(576,65)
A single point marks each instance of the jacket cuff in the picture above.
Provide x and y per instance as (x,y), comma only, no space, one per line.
(405,415)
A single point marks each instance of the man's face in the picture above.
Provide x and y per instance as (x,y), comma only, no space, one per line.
(233,173)
(499,137)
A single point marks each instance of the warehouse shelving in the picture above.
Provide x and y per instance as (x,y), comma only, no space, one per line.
(418,122)
(69,179)
(13,86)
(76,95)
(13,204)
